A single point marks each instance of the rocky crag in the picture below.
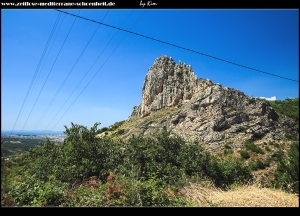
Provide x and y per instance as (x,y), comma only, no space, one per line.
(199,110)
(173,97)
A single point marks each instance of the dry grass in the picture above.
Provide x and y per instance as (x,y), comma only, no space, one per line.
(243,196)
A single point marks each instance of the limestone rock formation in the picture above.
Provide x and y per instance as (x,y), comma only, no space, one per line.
(166,85)
(173,97)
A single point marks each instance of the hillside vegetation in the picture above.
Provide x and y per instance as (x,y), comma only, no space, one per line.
(190,142)
(164,170)
(288,107)
(95,167)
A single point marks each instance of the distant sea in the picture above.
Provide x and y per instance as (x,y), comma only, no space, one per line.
(31,133)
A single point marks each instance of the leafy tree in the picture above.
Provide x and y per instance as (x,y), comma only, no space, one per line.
(287,173)
(153,166)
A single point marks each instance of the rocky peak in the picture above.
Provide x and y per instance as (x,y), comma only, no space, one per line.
(203,109)
(200,110)
(167,84)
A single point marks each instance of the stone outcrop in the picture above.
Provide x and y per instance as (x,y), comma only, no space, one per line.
(203,109)
(166,85)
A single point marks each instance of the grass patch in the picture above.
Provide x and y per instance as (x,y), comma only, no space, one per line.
(241,196)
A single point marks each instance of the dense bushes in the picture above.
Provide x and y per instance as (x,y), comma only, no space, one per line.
(226,172)
(32,191)
(156,167)
(287,173)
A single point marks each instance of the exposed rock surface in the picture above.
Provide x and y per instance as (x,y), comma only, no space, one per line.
(219,117)
(202,109)
(166,85)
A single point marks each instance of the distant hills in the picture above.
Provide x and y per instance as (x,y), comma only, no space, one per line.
(31,133)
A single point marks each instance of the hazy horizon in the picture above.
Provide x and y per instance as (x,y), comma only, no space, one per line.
(24,132)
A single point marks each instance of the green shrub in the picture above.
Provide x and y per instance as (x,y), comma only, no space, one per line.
(251,146)
(226,172)
(162,153)
(120,190)
(244,154)
(31,191)
(287,173)
(120,132)
(278,155)
(103,129)
(154,192)
(149,170)
(85,197)
(116,125)
(82,154)
(268,148)
(292,137)
(259,164)
(228,151)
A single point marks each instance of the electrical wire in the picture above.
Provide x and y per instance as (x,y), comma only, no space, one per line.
(49,72)
(37,69)
(190,50)
(87,72)
(66,78)
(96,73)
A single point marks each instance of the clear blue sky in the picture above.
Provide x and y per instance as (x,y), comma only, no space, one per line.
(266,40)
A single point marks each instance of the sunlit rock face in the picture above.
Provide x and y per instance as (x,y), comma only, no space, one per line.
(206,110)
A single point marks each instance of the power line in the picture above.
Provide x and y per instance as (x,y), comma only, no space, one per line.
(50,49)
(63,83)
(236,64)
(49,72)
(37,69)
(87,71)
(96,73)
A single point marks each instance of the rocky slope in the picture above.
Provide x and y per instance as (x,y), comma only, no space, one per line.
(218,117)
(173,97)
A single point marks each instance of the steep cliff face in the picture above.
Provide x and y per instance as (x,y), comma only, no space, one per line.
(166,85)
(173,97)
